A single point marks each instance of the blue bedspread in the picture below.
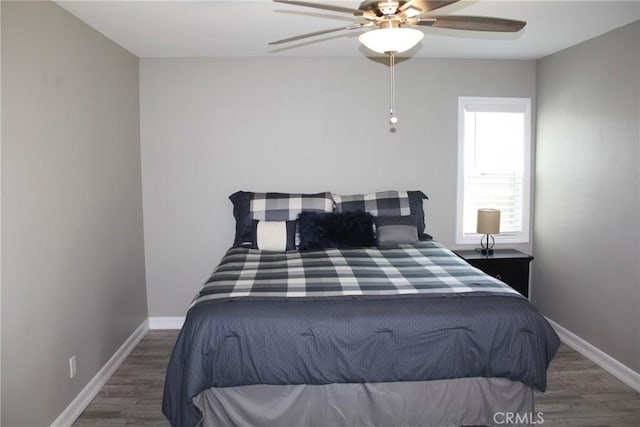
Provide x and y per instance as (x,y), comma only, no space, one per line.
(356,338)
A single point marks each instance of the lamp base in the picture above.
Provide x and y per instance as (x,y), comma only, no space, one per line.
(486,244)
(485,251)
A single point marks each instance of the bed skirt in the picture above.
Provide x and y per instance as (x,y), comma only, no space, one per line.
(455,402)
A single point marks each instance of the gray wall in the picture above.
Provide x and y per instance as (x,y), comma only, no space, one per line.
(73,277)
(585,276)
(214,126)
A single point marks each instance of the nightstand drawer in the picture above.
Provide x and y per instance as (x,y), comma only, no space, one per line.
(514,274)
(508,265)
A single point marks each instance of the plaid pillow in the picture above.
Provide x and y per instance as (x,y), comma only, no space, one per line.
(248,206)
(286,207)
(387,203)
(382,203)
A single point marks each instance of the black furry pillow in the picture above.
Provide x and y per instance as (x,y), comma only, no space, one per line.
(319,230)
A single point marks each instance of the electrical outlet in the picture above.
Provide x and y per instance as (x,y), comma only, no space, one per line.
(72,366)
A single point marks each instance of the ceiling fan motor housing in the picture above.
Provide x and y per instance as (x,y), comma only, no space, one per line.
(388,7)
(381,8)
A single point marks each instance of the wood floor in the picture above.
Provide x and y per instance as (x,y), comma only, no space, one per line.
(579,392)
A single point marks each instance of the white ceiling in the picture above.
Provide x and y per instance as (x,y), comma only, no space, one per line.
(217,28)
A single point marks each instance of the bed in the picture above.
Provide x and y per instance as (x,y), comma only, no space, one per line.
(408,334)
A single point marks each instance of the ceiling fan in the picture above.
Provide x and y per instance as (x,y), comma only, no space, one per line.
(396,14)
(390,18)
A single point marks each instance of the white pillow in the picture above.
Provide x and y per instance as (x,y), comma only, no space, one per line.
(272,235)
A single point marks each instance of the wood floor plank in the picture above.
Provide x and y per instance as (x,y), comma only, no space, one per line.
(133,395)
(579,393)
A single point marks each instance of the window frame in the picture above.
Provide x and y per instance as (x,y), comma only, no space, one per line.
(525,235)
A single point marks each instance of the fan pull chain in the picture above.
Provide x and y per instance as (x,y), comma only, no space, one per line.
(392,87)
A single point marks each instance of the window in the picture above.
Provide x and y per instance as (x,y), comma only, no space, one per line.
(494,166)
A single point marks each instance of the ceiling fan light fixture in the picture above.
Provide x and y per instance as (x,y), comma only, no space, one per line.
(387,40)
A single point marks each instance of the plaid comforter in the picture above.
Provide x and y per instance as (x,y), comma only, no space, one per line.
(425,268)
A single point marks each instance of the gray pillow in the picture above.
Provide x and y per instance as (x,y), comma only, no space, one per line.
(396,234)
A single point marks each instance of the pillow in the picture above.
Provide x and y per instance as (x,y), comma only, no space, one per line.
(396,234)
(272,207)
(382,203)
(387,203)
(273,235)
(396,220)
(395,230)
(335,230)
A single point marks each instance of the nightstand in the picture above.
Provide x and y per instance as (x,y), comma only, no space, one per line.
(509,265)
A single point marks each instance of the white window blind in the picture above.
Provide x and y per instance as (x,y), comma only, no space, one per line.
(494,165)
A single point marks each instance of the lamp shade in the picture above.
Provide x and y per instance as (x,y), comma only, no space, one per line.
(387,40)
(488,221)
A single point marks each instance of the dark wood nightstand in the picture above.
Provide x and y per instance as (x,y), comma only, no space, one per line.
(509,265)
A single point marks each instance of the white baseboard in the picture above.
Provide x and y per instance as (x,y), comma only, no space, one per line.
(175,322)
(599,357)
(86,395)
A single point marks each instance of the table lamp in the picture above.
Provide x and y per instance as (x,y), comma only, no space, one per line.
(488,224)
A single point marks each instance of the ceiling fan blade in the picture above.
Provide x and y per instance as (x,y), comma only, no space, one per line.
(323,6)
(473,23)
(318,33)
(426,5)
